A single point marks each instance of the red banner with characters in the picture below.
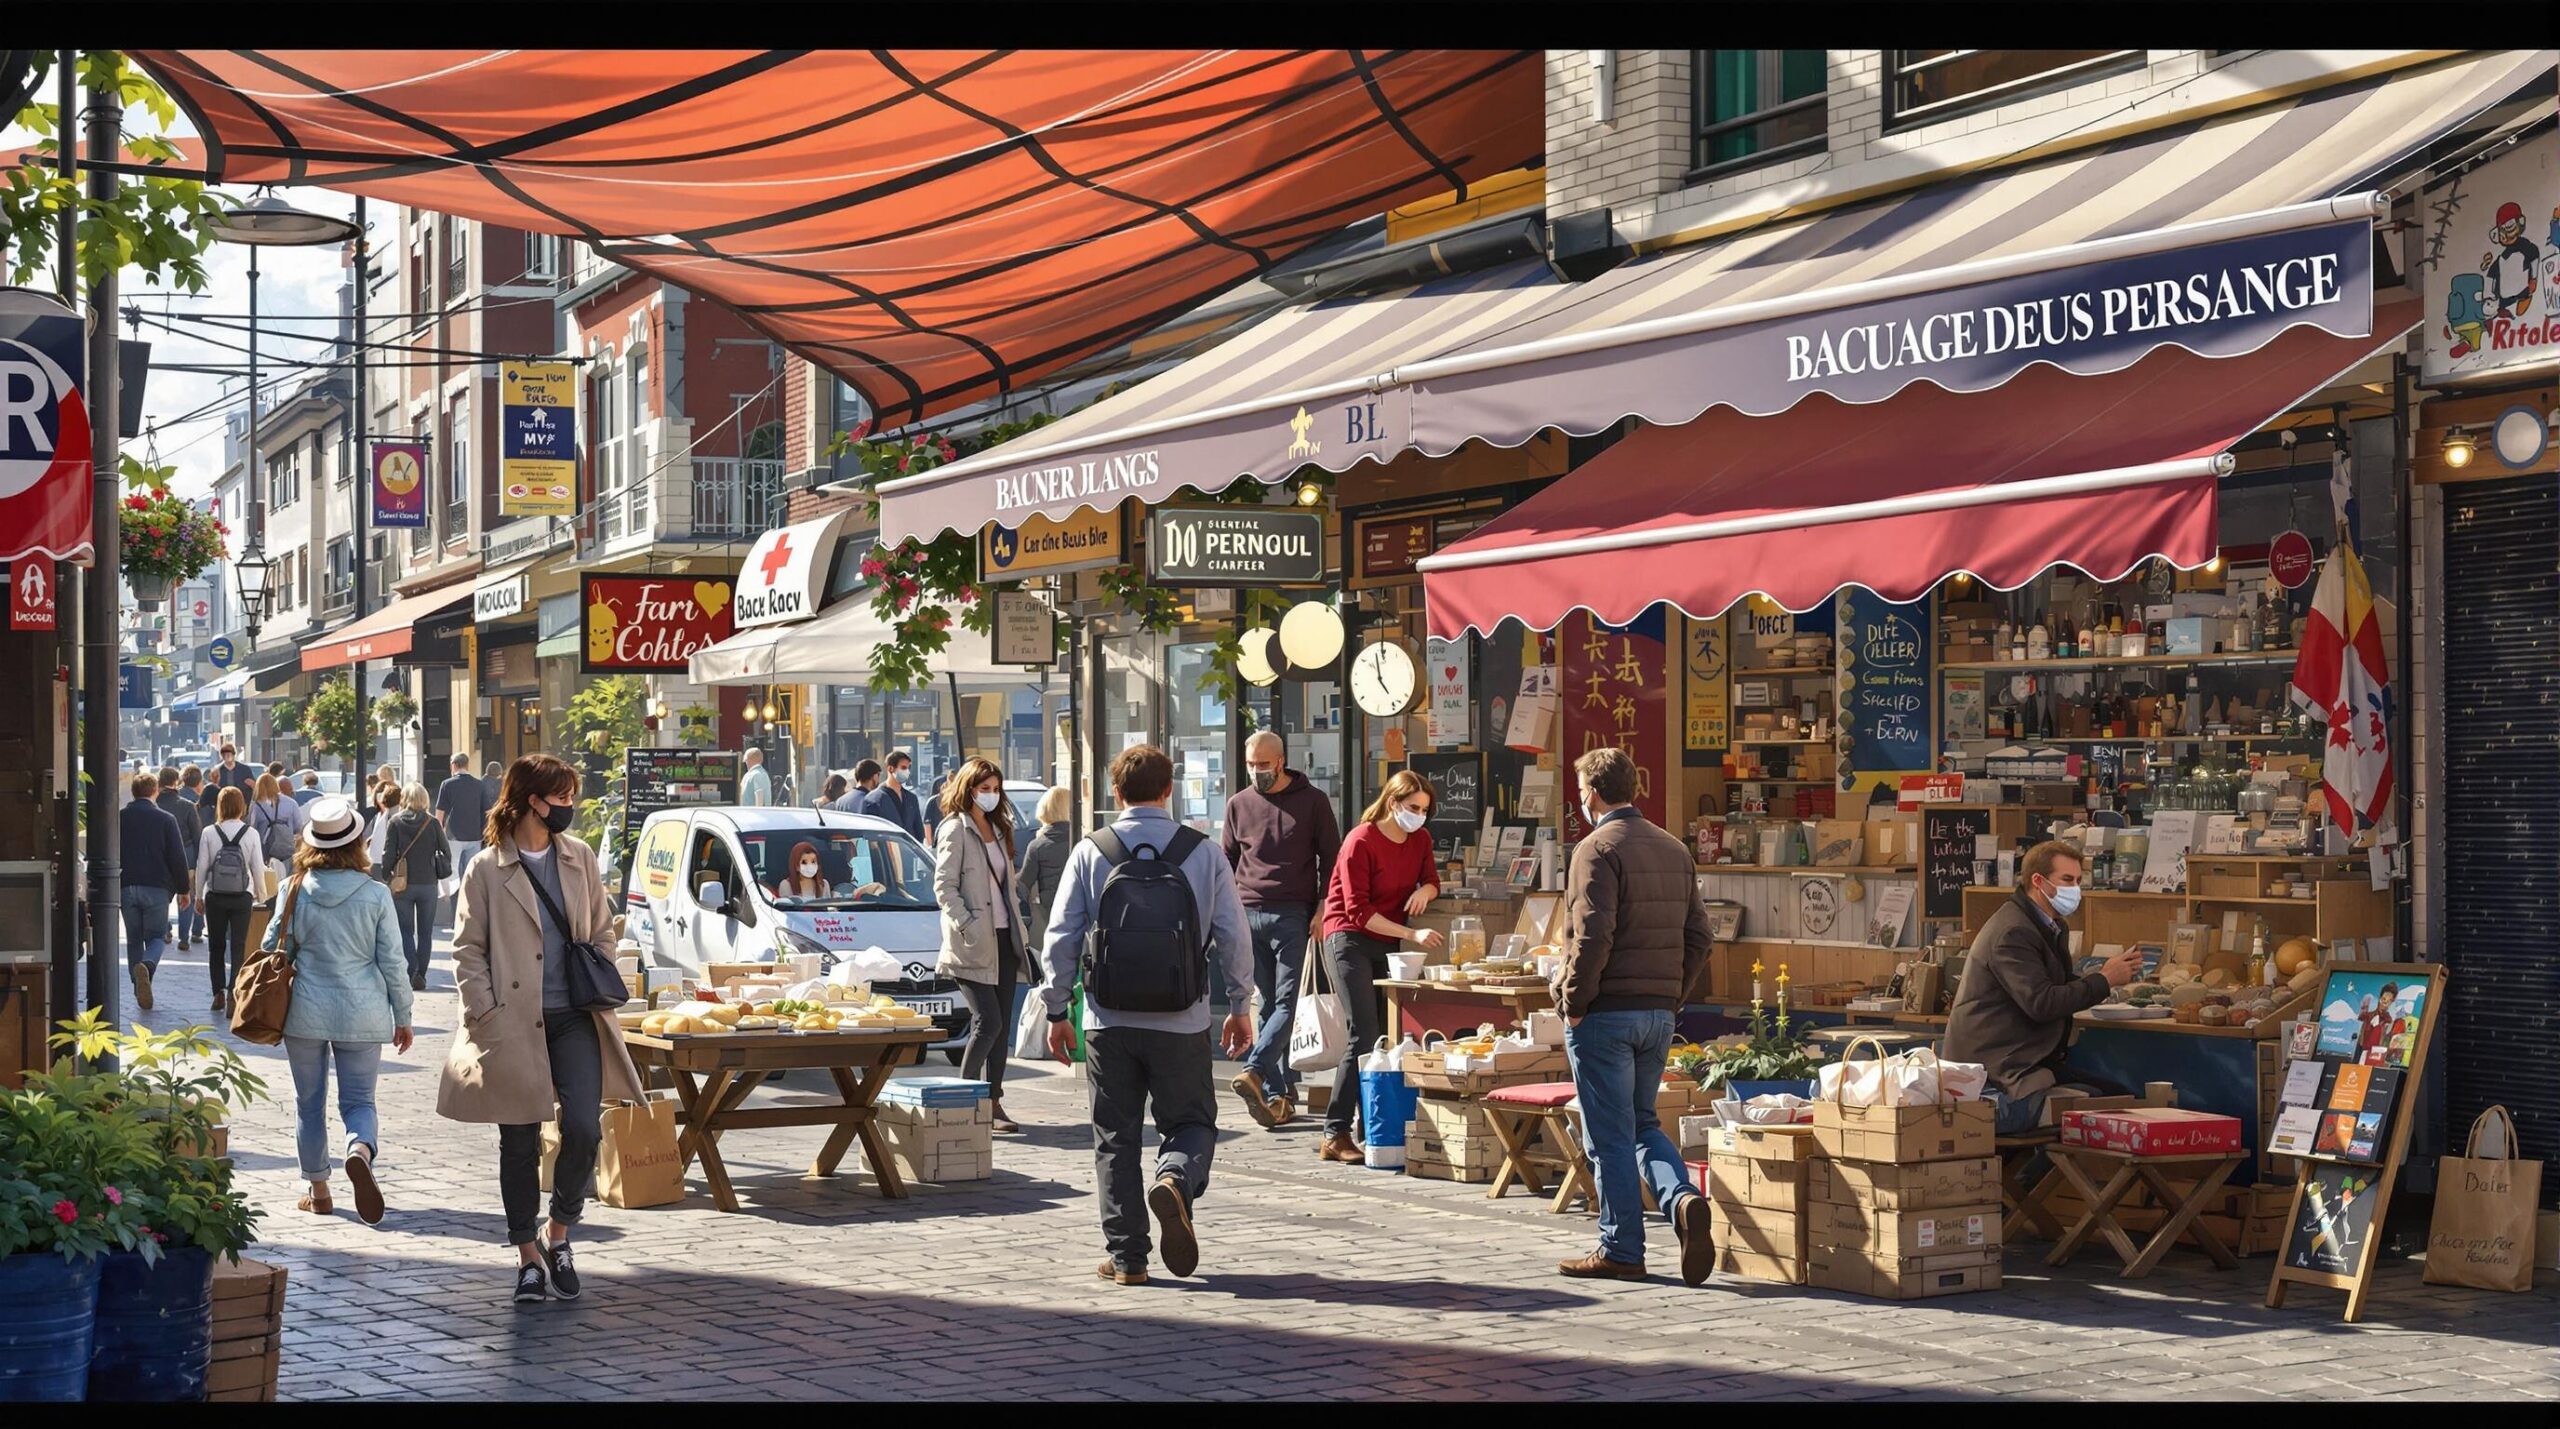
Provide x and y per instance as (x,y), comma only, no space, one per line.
(651,622)
(1616,690)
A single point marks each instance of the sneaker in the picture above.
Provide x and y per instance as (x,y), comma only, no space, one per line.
(1117,1276)
(368,1191)
(564,1270)
(530,1286)
(1338,1146)
(1596,1266)
(1181,1248)
(1697,1248)
(1257,1102)
(142,986)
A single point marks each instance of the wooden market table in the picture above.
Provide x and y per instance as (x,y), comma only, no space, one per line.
(714,1074)
(1450,1008)
(2185,1204)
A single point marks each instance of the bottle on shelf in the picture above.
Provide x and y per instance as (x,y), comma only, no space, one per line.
(2258,953)
(2000,641)
(2062,648)
(2191,709)
(2273,627)
(2156,638)
(2039,642)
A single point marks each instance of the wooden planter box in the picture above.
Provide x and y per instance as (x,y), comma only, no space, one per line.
(248,1332)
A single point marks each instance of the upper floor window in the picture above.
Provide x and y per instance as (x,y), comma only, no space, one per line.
(542,255)
(284,481)
(457,468)
(1757,107)
(422,279)
(457,268)
(1925,86)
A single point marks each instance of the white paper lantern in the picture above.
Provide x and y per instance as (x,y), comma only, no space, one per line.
(1311,636)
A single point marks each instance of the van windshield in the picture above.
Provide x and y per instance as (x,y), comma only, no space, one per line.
(856,868)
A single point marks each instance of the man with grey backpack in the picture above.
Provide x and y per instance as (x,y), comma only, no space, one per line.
(1141,908)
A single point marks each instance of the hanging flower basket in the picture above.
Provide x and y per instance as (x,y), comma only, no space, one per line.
(165,541)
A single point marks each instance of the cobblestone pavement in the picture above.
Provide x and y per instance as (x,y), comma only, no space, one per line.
(1315,1280)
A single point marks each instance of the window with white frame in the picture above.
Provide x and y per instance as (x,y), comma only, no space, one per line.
(284,478)
(457,251)
(1755,107)
(457,468)
(612,404)
(1925,86)
(542,255)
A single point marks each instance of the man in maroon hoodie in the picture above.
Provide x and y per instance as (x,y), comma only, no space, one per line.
(1280,837)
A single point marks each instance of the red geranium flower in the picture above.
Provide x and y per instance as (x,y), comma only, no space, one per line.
(66,1212)
(114,1196)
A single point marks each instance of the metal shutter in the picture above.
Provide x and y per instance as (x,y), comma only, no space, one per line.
(2502,809)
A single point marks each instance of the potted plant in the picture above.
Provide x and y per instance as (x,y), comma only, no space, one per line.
(154,1331)
(1774,1057)
(62,1208)
(165,540)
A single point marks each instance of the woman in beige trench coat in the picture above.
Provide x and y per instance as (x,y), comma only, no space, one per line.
(520,1047)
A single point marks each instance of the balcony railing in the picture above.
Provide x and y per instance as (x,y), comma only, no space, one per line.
(736,496)
(616,514)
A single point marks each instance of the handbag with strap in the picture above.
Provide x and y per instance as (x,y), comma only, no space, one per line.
(400,865)
(594,983)
(262,993)
(1319,1030)
(2483,1231)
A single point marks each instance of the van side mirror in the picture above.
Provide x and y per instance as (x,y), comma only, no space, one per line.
(713,896)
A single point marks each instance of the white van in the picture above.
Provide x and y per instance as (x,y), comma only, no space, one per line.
(703,889)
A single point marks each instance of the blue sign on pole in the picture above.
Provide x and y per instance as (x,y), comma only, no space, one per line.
(221,653)
(134,687)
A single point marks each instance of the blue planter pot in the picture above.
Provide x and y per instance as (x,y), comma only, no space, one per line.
(1745,1091)
(48,1320)
(155,1328)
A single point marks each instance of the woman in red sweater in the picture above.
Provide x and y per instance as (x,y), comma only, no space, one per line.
(1383,875)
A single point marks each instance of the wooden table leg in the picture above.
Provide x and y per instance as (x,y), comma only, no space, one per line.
(702,1138)
(1513,1138)
(868,1083)
(2184,1211)
(1574,1164)
(2100,1217)
(842,1137)
(2031,1208)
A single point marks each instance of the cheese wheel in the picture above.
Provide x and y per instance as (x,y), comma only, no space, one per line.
(2295,954)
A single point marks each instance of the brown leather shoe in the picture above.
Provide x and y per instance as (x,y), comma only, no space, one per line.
(1257,1102)
(1117,1276)
(1697,1247)
(1340,1147)
(1284,1110)
(142,986)
(317,1202)
(1175,1240)
(1596,1267)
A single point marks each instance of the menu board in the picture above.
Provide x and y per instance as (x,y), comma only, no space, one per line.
(1884,654)
(655,779)
(1458,779)
(1706,674)
(1946,857)
(1391,547)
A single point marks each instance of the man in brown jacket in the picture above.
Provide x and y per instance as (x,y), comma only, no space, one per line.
(1635,940)
(2013,1010)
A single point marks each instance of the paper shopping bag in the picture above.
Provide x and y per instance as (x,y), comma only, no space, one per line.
(636,1163)
(2483,1231)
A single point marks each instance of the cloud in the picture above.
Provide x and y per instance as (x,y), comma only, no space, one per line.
(2338,1011)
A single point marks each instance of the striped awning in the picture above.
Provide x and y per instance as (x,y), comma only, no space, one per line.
(937,227)
(1501,357)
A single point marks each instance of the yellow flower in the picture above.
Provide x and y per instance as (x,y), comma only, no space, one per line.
(1755,968)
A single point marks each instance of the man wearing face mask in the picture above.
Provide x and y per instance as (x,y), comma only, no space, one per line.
(893,800)
(1280,838)
(2013,1010)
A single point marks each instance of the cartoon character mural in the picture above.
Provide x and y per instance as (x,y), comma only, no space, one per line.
(2466,314)
(2514,266)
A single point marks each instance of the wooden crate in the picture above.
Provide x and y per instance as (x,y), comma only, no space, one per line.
(248,1332)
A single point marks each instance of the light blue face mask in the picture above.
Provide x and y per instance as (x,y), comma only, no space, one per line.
(2066,900)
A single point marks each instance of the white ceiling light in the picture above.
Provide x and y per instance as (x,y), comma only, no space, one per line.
(1311,636)
(1255,663)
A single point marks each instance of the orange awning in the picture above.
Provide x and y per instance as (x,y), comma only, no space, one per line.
(386,632)
(935,226)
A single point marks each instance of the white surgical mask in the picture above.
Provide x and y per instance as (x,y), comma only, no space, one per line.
(1411,822)
(987,802)
(2066,900)
(809,868)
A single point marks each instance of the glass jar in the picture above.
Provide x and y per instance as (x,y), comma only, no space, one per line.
(1466,939)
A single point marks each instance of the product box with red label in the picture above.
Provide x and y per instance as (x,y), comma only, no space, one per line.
(2152,1131)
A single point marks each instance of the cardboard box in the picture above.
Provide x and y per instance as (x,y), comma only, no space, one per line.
(1751,1265)
(1839,843)
(1758,1230)
(1890,1278)
(1477,1159)
(2190,635)
(248,1332)
(1945,1131)
(1741,1181)
(1907,1235)
(1461,1117)
(1476,1075)
(1679,1096)
(2152,1131)
(1926,1185)
(1792,1142)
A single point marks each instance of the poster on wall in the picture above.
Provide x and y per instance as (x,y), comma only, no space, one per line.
(1615,691)
(2488,263)
(1446,666)
(1884,658)
(650,622)
(1706,674)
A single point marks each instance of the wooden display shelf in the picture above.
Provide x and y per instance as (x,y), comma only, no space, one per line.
(2134,739)
(1781,741)
(1746,779)
(2101,662)
(1782,671)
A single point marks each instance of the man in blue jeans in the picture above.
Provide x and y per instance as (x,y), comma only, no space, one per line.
(1635,941)
(155,870)
(1280,837)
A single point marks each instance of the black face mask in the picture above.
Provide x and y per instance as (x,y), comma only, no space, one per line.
(559,817)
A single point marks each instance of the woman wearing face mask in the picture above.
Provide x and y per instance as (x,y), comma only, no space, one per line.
(1383,875)
(522,1047)
(973,880)
(803,880)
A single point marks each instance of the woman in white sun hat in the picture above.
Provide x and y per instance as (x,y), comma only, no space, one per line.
(350,995)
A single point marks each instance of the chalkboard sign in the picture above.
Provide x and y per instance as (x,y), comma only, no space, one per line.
(655,779)
(1946,857)
(1884,655)
(1458,814)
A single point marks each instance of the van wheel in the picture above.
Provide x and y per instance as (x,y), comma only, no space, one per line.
(954,1055)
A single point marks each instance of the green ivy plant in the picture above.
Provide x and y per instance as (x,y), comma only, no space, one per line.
(392,709)
(605,718)
(156,225)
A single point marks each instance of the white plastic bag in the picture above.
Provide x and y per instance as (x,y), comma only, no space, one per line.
(1777,1109)
(1031,1036)
(871,965)
(1913,1078)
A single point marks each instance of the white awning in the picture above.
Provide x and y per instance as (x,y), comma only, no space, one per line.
(835,649)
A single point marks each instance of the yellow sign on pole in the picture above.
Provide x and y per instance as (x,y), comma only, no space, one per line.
(538,439)
(1044,547)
